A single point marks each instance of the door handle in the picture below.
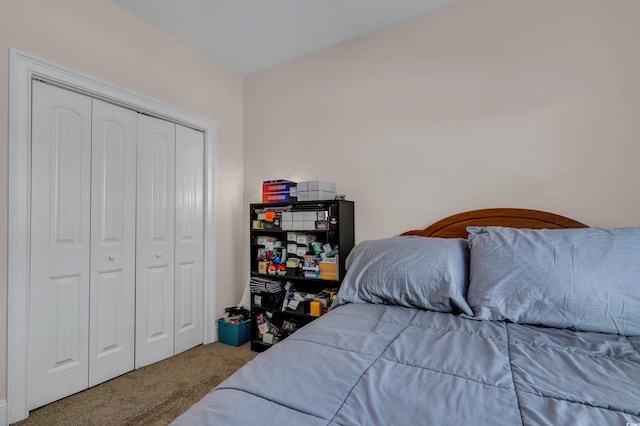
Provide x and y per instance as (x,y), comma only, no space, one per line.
(158,255)
(112,258)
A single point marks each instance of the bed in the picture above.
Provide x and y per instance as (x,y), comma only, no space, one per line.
(489,317)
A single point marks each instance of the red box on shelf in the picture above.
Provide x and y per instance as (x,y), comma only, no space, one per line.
(277,197)
(277,186)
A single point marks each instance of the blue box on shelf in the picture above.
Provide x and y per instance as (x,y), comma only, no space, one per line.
(234,334)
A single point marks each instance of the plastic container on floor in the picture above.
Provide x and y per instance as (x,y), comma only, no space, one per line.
(234,334)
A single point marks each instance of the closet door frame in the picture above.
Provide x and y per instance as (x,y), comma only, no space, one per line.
(23,68)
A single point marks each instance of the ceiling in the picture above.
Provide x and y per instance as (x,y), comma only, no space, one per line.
(252,35)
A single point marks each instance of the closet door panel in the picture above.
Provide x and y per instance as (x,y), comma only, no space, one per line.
(60,243)
(113,206)
(189,234)
(155,240)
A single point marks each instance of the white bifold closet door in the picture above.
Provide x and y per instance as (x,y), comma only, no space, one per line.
(189,238)
(116,265)
(155,240)
(170,239)
(113,242)
(82,243)
(60,244)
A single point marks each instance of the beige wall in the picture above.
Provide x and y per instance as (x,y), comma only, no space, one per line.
(486,103)
(99,38)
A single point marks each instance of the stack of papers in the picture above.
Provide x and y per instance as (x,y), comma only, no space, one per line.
(264,285)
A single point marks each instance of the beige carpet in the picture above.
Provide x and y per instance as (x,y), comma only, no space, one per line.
(153,395)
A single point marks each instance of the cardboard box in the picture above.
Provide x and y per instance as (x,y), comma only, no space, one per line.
(316,190)
(234,334)
(318,185)
(328,271)
(313,215)
(320,195)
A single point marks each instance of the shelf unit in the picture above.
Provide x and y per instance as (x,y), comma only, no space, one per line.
(327,223)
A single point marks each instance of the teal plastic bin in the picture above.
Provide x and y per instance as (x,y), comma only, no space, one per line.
(234,334)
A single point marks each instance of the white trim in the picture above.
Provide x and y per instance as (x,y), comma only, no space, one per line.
(3,412)
(24,68)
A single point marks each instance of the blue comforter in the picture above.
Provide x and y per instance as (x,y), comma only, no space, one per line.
(368,364)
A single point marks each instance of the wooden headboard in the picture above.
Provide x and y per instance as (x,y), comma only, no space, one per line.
(455,226)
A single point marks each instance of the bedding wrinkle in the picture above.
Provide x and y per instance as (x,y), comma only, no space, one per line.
(515,386)
(378,321)
(327,345)
(453,330)
(635,346)
(614,320)
(448,373)
(577,369)
(266,398)
(548,410)
(573,351)
(583,403)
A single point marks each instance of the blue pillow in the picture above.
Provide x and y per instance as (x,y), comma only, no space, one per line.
(416,272)
(584,279)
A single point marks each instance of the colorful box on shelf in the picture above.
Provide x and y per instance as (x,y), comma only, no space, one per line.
(278,191)
(278,197)
(281,185)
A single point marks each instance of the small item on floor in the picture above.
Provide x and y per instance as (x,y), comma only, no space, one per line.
(236,314)
(234,328)
(234,334)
